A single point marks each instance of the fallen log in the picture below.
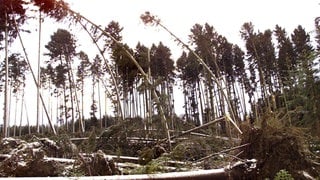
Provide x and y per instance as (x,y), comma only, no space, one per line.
(231,171)
(216,174)
(221,173)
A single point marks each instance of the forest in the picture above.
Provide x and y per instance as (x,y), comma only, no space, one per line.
(260,101)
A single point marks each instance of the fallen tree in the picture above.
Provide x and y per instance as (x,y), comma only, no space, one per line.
(276,148)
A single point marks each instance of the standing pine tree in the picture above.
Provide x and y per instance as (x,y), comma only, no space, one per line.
(189,72)
(62,49)
(304,92)
(162,72)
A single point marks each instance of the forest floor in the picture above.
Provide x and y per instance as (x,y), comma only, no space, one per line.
(277,151)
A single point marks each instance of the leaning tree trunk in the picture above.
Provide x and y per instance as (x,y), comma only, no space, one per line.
(34,77)
(119,108)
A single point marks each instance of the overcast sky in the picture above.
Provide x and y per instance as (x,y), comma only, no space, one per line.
(226,16)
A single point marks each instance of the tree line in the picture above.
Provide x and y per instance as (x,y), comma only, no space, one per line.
(276,72)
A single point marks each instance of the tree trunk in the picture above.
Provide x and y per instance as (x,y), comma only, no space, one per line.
(100,109)
(82,105)
(201,103)
(39,85)
(21,112)
(72,101)
(15,117)
(65,107)
(6,95)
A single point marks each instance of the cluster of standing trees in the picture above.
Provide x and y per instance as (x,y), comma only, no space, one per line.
(277,72)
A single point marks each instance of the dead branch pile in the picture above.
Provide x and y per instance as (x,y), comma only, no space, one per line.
(27,159)
(39,158)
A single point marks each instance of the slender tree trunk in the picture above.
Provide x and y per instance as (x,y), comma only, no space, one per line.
(100,109)
(124,104)
(131,103)
(10,107)
(15,117)
(21,113)
(39,85)
(93,96)
(82,105)
(148,95)
(241,103)
(105,109)
(211,90)
(72,103)
(185,96)
(58,115)
(50,103)
(72,86)
(6,95)
(81,127)
(244,102)
(146,111)
(136,102)
(171,104)
(144,108)
(208,109)
(201,103)
(27,115)
(65,106)
(195,104)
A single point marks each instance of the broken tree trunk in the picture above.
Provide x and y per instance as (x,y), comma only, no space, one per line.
(222,152)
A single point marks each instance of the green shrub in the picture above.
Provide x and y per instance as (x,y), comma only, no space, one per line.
(283,175)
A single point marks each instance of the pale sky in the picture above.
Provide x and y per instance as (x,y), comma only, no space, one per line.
(226,16)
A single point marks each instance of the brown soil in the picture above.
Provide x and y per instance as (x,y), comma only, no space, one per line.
(277,148)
